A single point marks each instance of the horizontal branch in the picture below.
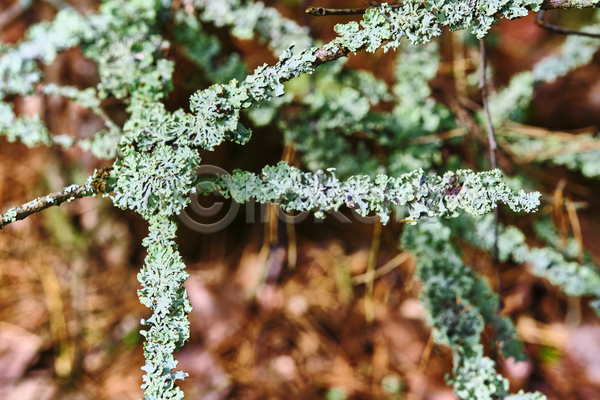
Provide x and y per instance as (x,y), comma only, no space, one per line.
(322,12)
(559,29)
(97,185)
(422,195)
(557,4)
(546,5)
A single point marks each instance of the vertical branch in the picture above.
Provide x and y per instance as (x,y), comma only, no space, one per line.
(484,94)
(289,152)
(493,146)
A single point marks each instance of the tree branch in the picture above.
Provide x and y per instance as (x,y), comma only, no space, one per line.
(546,5)
(484,94)
(98,185)
(493,148)
(557,4)
(323,12)
(559,29)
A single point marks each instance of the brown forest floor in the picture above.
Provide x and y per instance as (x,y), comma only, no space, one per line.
(69,313)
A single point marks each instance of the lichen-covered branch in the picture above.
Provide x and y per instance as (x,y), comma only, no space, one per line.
(216,110)
(546,5)
(247,18)
(459,304)
(423,195)
(162,278)
(340,105)
(531,144)
(573,278)
(576,51)
(163,148)
(95,185)
(155,175)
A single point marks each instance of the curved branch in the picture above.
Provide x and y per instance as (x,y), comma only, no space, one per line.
(559,29)
(556,4)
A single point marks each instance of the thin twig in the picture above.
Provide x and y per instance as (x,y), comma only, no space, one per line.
(324,12)
(484,94)
(576,228)
(373,254)
(559,29)
(289,152)
(560,220)
(11,13)
(379,272)
(98,185)
(426,354)
(456,132)
(492,143)
(493,147)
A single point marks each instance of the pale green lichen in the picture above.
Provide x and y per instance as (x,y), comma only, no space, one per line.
(249,18)
(155,174)
(162,278)
(459,305)
(18,69)
(423,195)
(341,103)
(206,51)
(577,152)
(10,215)
(30,130)
(155,184)
(513,100)
(87,98)
(573,278)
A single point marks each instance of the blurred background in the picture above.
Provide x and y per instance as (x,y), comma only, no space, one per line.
(281,310)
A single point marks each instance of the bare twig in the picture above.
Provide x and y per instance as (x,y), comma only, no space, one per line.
(323,12)
(379,272)
(98,185)
(426,353)
(576,228)
(491,139)
(488,118)
(289,152)
(11,13)
(452,133)
(373,254)
(559,29)
(493,147)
